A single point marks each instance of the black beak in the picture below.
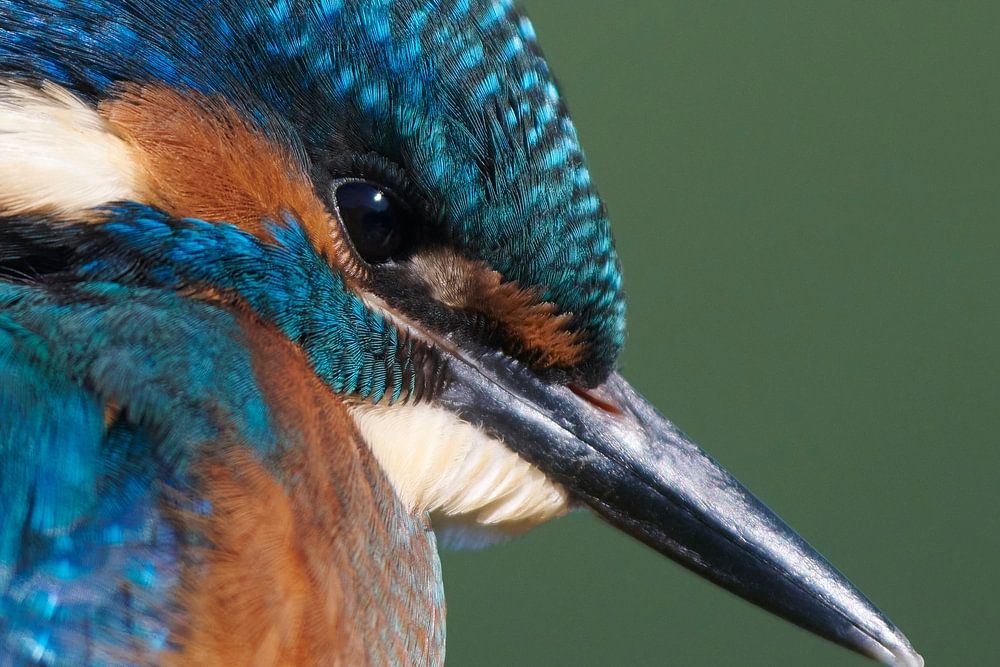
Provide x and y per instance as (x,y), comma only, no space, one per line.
(615,453)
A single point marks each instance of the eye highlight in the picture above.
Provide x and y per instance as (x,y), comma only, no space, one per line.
(379,225)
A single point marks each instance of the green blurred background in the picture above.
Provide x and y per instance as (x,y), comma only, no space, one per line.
(805,199)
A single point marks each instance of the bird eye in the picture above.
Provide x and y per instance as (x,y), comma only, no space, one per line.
(377,224)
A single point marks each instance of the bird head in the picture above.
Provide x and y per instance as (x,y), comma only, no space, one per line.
(397,187)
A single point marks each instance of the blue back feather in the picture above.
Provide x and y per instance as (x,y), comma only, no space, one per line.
(82,512)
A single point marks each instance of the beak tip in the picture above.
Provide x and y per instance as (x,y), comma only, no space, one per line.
(909,658)
(895,651)
(906,657)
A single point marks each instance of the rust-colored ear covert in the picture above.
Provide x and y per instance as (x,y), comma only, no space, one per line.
(200,158)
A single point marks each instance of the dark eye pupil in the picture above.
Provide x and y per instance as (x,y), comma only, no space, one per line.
(373,220)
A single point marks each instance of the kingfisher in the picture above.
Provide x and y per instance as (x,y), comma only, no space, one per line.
(292,291)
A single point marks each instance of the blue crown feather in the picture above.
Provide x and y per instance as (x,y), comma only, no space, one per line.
(456,93)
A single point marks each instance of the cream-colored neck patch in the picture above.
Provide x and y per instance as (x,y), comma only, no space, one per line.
(57,154)
(475,488)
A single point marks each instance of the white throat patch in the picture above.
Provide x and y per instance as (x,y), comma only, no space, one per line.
(57,155)
(475,488)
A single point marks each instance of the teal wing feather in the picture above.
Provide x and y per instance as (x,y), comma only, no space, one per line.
(106,393)
(74,512)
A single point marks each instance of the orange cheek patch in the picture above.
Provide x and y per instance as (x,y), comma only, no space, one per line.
(531,325)
(200,158)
